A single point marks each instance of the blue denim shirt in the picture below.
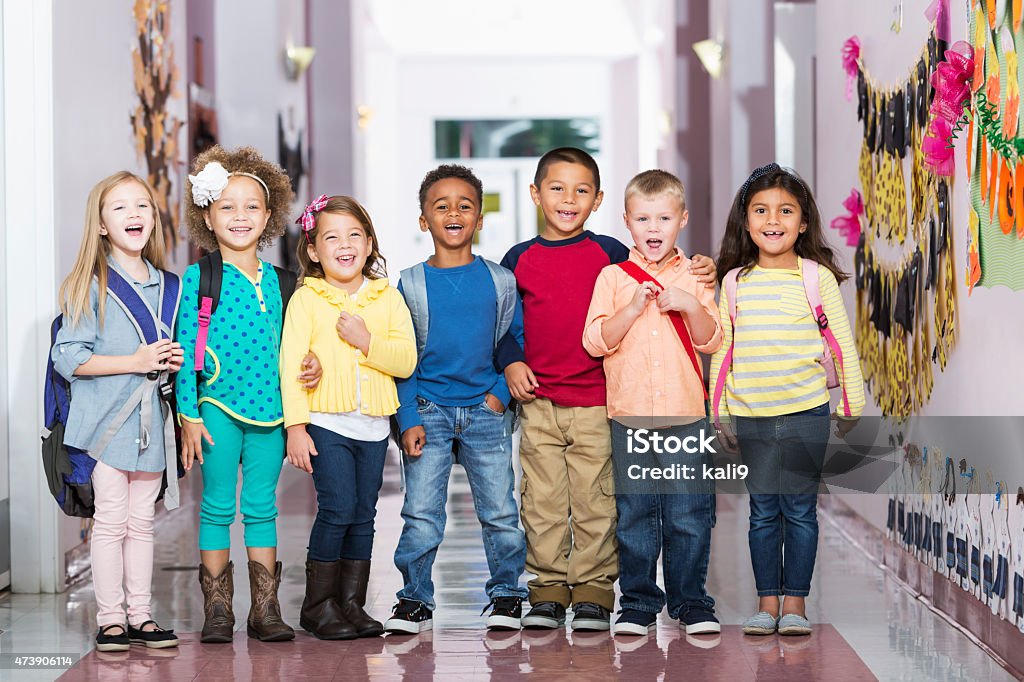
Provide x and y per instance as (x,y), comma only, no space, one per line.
(95,400)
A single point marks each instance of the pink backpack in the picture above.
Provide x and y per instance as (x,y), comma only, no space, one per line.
(831,352)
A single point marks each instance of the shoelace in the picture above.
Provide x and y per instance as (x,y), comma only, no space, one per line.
(498,602)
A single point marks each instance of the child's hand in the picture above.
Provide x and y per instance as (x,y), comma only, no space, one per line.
(154,357)
(703,268)
(300,447)
(192,436)
(675,298)
(413,440)
(727,437)
(844,426)
(177,358)
(644,293)
(494,403)
(521,381)
(311,372)
(351,328)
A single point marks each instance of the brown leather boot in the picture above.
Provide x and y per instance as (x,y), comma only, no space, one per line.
(321,614)
(219,626)
(264,622)
(352,596)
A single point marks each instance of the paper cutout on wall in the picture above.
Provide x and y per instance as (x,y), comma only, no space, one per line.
(155,130)
(995,152)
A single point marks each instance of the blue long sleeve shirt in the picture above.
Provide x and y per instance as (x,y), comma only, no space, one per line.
(457,367)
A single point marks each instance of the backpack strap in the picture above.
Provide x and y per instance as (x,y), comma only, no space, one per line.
(729,287)
(287,281)
(211,274)
(641,276)
(414,286)
(506,292)
(832,351)
(170,299)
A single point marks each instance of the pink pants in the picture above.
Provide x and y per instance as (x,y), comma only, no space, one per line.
(122,542)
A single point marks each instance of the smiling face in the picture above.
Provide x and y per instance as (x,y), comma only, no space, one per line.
(240,215)
(655,222)
(341,248)
(451,214)
(127,218)
(567,195)
(774,222)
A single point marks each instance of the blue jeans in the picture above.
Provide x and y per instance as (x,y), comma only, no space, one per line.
(785,455)
(677,525)
(347,474)
(484,441)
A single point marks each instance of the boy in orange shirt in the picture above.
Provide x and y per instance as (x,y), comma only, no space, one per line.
(654,380)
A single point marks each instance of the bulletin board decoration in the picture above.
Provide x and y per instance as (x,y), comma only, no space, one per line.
(155,130)
(995,148)
(906,303)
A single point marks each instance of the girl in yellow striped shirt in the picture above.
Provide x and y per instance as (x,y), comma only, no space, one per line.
(772,399)
(360,328)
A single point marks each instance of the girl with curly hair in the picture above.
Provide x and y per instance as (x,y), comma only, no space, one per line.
(230,406)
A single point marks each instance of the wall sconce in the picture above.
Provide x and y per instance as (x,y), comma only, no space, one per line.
(297,59)
(711,54)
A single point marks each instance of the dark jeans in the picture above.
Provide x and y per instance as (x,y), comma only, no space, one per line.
(347,475)
(785,455)
(676,525)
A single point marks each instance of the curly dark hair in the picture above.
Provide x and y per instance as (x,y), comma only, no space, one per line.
(738,250)
(241,160)
(376,265)
(451,170)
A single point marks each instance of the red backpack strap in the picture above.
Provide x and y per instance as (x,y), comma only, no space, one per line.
(729,287)
(641,276)
(833,353)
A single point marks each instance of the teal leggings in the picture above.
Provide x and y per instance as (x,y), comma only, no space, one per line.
(260,451)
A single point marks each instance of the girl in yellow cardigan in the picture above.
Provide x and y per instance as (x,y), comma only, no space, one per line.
(358,325)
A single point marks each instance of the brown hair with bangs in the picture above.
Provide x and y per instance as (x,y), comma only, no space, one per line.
(375,266)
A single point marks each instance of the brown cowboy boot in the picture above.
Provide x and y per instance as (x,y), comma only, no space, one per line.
(264,622)
(352,595)
(219,626)
(321,613)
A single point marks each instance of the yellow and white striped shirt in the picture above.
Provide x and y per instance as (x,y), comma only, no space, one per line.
(775,368)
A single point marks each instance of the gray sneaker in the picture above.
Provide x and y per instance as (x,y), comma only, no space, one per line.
(761,623)
(545,615)
(590,617)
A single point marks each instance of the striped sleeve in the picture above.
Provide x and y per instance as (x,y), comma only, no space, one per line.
(719,357)
(850,373)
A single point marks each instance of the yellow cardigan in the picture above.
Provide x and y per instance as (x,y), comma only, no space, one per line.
(309,325)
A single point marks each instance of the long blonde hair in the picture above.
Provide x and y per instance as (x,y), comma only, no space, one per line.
(92,254)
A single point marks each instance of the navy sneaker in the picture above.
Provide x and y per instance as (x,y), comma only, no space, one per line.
(632,622)
(545,615)
(590,617)
(697,620)
(506,613)
(409,618)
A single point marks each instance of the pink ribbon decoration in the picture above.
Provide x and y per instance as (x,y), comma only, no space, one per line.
(952,83)
(938,13)
(849,226)
(851,55)
(308,218)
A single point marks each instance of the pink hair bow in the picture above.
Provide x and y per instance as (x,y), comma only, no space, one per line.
(851,55)
(308,218)
(849,225)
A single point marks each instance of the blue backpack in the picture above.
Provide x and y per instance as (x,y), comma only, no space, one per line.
(69,470)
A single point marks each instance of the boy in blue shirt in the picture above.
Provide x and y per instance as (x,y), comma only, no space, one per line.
(456,398)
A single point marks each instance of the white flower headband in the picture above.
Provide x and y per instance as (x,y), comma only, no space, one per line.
(209,183)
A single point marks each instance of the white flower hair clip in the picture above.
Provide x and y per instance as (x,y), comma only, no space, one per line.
(209,183)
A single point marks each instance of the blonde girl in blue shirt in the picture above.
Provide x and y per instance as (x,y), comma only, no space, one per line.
(99,352)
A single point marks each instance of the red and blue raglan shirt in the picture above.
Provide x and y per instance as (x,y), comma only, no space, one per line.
(556,282)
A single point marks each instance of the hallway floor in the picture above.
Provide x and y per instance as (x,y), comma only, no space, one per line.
(867,626)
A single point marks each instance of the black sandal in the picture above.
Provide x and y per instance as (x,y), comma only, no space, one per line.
(107,642)
(157,638)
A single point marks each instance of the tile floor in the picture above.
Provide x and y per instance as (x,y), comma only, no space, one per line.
(867,626)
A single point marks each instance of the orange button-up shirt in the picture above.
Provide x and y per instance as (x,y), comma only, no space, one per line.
(649,373)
